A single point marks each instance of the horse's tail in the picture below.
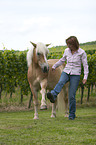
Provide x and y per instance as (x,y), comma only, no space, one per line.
(29,56)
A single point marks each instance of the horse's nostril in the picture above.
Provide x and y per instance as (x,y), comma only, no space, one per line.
(45,69)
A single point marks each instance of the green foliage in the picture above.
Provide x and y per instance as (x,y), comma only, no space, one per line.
(88,43)
(92,70)
(2,64)
(22,73)
(13,68)
(13,71)
(10,69)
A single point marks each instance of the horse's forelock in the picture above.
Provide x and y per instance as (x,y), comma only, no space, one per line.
(42,48)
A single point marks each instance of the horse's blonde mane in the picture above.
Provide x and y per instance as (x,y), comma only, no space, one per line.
(40,47)
(29,56)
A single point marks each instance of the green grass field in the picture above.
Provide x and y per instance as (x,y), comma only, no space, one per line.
(19,128)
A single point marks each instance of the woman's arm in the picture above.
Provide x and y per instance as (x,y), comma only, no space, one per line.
(60,62)
(85,65)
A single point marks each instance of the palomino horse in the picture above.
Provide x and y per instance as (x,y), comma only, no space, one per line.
(41,76)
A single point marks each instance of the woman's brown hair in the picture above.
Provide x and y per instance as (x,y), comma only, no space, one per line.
(73,40)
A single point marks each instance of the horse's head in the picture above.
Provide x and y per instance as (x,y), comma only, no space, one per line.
(40,55)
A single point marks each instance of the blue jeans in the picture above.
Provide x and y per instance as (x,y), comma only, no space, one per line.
(74,82)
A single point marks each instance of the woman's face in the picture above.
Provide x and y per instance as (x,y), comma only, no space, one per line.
(71,46)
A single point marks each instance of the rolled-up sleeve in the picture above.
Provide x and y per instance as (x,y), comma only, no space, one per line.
(85,65)
(60,62)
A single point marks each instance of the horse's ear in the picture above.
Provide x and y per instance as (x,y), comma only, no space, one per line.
(33,44)
(48,44)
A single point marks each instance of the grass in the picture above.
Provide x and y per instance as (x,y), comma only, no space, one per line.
(19,128)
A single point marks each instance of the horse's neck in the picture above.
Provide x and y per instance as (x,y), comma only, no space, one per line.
(34,58)
(37,72)
(35,66)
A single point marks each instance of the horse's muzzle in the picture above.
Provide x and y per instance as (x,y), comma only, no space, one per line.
(45,68)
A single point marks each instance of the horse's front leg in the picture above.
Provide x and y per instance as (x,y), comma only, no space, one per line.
(43,100)
(43,93)
(35,101)
(53,115)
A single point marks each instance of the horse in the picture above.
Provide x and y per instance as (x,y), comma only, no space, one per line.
(42,78)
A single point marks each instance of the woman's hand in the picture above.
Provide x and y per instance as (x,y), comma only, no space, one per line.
(53,69)
(84,81)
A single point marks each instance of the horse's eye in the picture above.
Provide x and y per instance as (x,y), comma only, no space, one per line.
(38,53)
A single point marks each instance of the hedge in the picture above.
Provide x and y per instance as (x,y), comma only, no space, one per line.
(13,72)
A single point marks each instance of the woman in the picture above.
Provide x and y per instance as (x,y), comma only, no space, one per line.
(74,56)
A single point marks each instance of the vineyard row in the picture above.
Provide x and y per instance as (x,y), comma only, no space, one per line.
(13,71)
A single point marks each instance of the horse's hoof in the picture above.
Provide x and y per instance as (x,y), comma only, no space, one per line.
(44,107)
(66,115)
(36,117)
(53,116)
